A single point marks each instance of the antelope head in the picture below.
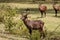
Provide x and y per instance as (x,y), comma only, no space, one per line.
(24,16)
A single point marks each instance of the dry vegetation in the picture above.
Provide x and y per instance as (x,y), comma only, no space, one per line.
(19,5)
(10,19)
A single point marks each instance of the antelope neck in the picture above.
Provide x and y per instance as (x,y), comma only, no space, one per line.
(25,22)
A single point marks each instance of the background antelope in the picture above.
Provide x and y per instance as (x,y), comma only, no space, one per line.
(42,9)
(56,8)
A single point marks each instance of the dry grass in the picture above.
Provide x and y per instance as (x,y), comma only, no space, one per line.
(19,5)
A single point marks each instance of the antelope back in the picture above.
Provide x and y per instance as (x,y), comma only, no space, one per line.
(43,7)
(59,7)
(56,7)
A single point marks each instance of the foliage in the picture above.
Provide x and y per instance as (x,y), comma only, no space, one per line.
(15,25)
(9,17)
(6,16)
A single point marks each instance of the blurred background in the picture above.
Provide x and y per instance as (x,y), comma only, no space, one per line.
(13,28)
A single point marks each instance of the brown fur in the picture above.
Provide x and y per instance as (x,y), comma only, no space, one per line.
(42,9)
(33,25)
(56,8)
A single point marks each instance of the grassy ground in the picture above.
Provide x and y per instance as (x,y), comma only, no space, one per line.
(52,25)
(50,21)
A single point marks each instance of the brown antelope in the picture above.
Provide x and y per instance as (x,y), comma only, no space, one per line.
(56,8)
(33,25)
(42,9)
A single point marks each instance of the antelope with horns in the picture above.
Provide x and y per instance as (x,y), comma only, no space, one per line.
(33,25)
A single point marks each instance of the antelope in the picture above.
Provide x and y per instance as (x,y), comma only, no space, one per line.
(56,8)
(42,9)
(33,25)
